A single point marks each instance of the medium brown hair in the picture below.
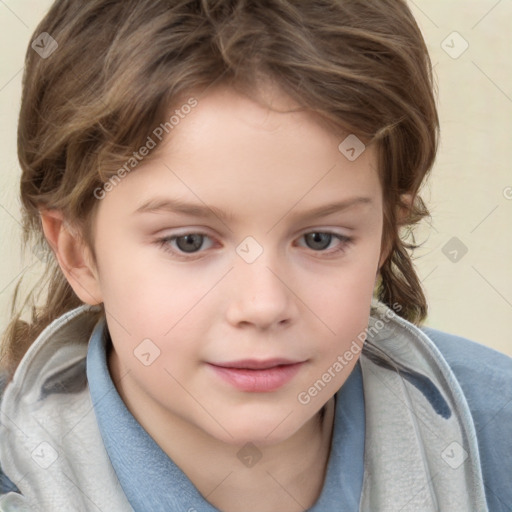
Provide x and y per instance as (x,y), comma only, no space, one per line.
(121,65)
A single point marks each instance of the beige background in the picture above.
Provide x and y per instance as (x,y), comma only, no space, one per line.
(469,193)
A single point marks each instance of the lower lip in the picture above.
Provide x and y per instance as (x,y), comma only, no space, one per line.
(258,380)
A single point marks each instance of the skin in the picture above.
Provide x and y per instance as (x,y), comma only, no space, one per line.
(298,300)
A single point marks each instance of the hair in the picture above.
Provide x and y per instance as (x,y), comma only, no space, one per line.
(120,66)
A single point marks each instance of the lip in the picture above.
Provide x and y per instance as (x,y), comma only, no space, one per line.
(257,376)
(255,364)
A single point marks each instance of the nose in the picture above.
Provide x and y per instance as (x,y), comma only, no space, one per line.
(260,294)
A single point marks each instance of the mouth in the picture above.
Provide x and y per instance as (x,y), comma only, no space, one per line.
(257,376)
(255,364)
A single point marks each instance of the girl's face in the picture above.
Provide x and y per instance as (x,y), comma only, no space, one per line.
(250,269)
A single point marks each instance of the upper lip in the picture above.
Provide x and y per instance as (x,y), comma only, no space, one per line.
(254,364)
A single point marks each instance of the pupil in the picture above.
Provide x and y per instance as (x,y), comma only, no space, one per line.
(192,241)
(317,238)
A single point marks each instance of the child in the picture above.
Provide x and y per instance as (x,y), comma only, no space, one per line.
(259,369)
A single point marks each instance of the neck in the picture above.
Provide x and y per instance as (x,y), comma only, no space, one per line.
(288,477)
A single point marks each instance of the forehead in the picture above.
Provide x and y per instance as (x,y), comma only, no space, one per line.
(267,120)
(231,150)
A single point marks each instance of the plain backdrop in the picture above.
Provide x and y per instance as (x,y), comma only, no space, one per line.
(465,261)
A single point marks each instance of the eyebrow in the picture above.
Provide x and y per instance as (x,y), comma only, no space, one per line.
(173,205)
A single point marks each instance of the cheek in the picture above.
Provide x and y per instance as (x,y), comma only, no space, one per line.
(340,346)
(342,306)
(342,297)
(143,290)
(155,313)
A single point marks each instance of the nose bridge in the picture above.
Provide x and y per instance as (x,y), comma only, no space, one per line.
(257,265)
(260,295)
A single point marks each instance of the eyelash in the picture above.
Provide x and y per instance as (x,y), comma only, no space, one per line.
(164,243)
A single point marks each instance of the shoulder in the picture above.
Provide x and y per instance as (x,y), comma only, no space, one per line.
(6,485)
(485,376)
(464,354)
(58,353)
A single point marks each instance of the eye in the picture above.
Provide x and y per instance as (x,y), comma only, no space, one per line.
(188,243)
(320,240)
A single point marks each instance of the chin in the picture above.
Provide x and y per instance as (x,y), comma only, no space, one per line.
(263,431)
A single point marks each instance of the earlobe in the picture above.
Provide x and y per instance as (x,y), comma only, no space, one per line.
(73,257)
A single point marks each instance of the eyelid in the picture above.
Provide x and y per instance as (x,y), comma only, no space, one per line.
(164,242)
(345,242)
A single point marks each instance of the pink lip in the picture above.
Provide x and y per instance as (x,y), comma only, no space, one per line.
(255,364)
(257,376)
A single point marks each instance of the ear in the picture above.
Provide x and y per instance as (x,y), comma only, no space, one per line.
(402,213)
(73,256)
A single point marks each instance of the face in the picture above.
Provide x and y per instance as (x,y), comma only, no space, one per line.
(250,274)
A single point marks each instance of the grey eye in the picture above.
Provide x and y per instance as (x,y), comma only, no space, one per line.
(318,240)
(191,242)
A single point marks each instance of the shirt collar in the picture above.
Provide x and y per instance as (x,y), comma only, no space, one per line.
(152,481)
